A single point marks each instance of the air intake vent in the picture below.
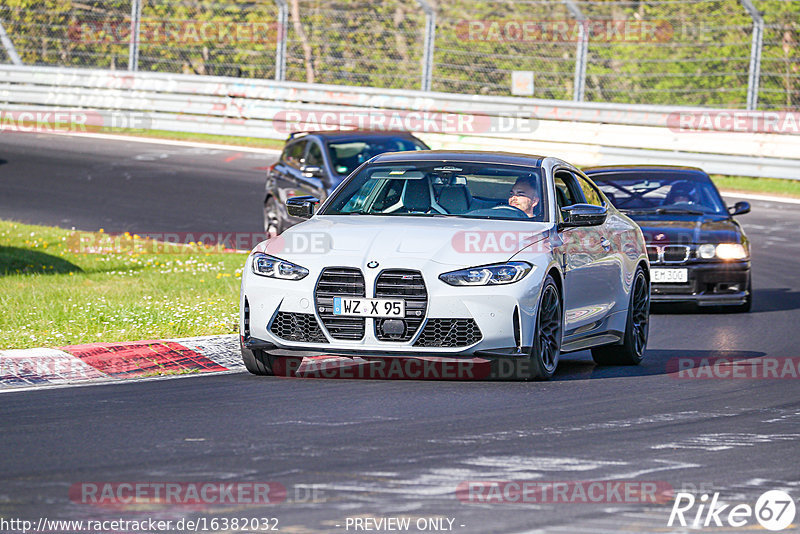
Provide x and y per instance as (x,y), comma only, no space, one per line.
(339,282)
(406,285)
(449,333)
(297,327)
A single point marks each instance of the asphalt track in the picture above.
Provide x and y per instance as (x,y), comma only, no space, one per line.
(378,448)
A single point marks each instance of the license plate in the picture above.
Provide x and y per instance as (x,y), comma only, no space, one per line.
(369,307)
(670,276)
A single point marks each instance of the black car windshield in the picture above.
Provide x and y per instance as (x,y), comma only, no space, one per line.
(672,193)
(436,188)
(347,155)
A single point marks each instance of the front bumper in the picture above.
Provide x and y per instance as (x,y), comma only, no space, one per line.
(455,321)
(708,284)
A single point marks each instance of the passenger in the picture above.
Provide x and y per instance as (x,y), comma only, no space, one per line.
(524,195)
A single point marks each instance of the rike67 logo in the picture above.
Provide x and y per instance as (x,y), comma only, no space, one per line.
(774,510)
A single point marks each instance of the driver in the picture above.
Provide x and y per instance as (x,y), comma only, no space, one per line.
(524,195)
(682,192)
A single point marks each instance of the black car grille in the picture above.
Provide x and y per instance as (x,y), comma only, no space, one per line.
(297,327)
(668,253)
(676,253)
(449,333)
(406,285)
(340,282)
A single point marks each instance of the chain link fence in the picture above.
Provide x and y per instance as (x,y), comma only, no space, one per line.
(722,53)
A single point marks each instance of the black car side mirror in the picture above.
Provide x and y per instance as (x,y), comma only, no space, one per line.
(302,207)
(740,208)
(583,215)
(311,171)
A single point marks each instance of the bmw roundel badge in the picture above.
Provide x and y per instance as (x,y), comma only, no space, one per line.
(372,264)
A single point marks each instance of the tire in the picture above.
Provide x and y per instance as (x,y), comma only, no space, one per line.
(258,362)
(546,346)
(273,225)
(637,328)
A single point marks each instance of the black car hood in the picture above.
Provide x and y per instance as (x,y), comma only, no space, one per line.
(688,229)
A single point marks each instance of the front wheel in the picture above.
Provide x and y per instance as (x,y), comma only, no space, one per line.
(547,336)
(258,362)
(637,328)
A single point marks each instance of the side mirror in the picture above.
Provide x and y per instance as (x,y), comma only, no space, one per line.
(740,208)
(583,215)
(302,207)
(311,171)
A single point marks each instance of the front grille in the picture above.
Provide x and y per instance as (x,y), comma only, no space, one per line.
(652,253)
(406,285)
(449,333)
(339,282)
(297,327)
(676,253)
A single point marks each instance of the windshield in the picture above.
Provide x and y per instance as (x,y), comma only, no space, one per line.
(346,156)
(640,193)
(473,190)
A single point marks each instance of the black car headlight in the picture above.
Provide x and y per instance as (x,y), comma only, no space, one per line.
(723,251)
(266,265)
(486,275)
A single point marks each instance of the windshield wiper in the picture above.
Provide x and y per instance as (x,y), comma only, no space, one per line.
(663,211)
(680,211)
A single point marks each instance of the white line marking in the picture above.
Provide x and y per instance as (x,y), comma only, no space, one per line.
(754,196)
(172,142)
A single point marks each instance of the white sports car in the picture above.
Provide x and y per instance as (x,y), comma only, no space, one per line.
(455,255)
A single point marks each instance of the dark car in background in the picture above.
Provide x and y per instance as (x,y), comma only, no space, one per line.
(314,163)
(698,252)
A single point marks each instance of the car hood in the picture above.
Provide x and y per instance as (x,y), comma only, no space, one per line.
(355,240)
(688,229)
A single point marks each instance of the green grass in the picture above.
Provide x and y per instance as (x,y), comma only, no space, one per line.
(56,290)
(770,186)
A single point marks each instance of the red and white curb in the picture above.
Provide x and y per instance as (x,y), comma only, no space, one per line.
(118,362)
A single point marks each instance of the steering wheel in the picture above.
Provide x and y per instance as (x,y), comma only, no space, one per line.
(512,210)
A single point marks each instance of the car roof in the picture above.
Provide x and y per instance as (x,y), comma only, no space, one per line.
(341,135)
(606,172)
(461,155)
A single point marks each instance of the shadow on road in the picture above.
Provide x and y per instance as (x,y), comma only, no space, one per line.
(775,299)
(575,366)
(656,362)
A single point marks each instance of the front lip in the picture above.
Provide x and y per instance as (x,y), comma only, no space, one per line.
(702,280)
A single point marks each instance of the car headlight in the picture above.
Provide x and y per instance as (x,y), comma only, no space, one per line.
(706,251)
(265,265)
(731,251)
(502,273)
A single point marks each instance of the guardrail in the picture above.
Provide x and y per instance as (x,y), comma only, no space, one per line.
(582,133)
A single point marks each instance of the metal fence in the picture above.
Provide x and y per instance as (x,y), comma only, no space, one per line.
(720,53)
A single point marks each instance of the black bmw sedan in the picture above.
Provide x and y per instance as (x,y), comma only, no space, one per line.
(698,252)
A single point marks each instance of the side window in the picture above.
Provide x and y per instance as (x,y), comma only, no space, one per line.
(590,192)
(566,189)
(314,156)
(294,154)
